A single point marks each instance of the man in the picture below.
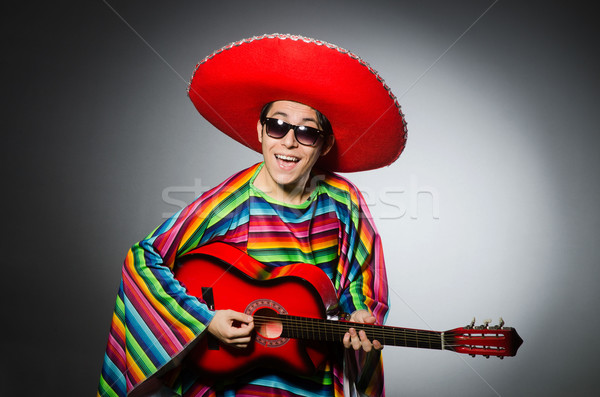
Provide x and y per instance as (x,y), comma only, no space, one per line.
(323,109)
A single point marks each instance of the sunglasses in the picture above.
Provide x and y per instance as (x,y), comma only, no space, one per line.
(307,136)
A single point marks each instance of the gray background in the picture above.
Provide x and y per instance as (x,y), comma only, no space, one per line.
(491,211)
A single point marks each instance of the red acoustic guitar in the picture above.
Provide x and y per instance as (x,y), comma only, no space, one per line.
(290,305)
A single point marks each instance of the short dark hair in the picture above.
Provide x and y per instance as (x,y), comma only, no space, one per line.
(322,121)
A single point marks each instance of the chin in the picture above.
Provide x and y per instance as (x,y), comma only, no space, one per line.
(285,180)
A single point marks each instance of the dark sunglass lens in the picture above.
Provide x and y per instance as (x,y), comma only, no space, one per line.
(307,135)
(276,128)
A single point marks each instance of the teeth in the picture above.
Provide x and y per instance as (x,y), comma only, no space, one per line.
(286,158)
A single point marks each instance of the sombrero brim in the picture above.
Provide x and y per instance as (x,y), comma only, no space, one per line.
(230,87)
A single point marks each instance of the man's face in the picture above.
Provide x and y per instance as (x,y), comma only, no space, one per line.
(287,162)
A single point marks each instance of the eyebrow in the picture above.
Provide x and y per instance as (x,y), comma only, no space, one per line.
(279,113)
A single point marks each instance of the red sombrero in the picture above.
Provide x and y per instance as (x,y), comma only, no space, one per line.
(230,87)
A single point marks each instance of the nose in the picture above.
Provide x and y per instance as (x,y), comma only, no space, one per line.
(289,140)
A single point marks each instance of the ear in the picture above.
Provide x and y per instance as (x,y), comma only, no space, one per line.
(259,130)
(328,144)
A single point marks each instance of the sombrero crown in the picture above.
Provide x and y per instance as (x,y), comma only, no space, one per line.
(230,87)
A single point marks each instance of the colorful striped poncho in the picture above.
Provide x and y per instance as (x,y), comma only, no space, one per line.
(155,320)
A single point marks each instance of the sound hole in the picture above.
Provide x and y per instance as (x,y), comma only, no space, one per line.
(267,325)
(268,328)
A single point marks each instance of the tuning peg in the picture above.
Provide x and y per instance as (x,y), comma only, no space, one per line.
(472,355)
(500,357)
(486,322)
(487,356)
(500,324)
(472,323)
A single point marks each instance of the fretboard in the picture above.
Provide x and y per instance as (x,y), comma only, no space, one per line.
(333,331)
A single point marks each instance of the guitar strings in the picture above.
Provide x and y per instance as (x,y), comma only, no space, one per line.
(317,323)
(320,325)
(414,340)
(409,338)
(336,330)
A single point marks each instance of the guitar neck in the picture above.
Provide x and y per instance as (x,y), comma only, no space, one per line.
(333,331)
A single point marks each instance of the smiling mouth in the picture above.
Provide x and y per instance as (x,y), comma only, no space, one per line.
(287,158)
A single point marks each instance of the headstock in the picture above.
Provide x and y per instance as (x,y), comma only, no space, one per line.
(483,340)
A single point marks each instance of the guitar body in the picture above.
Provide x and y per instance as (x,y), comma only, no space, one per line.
(298,290)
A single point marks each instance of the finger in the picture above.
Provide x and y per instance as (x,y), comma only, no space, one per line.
(355,339)
(365,342)
(241,342)
(370,320)
(241,317)
(377,345)
(357,316)
(239,331)
(240,325)
(362,316)
(235,333)
(346,340)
